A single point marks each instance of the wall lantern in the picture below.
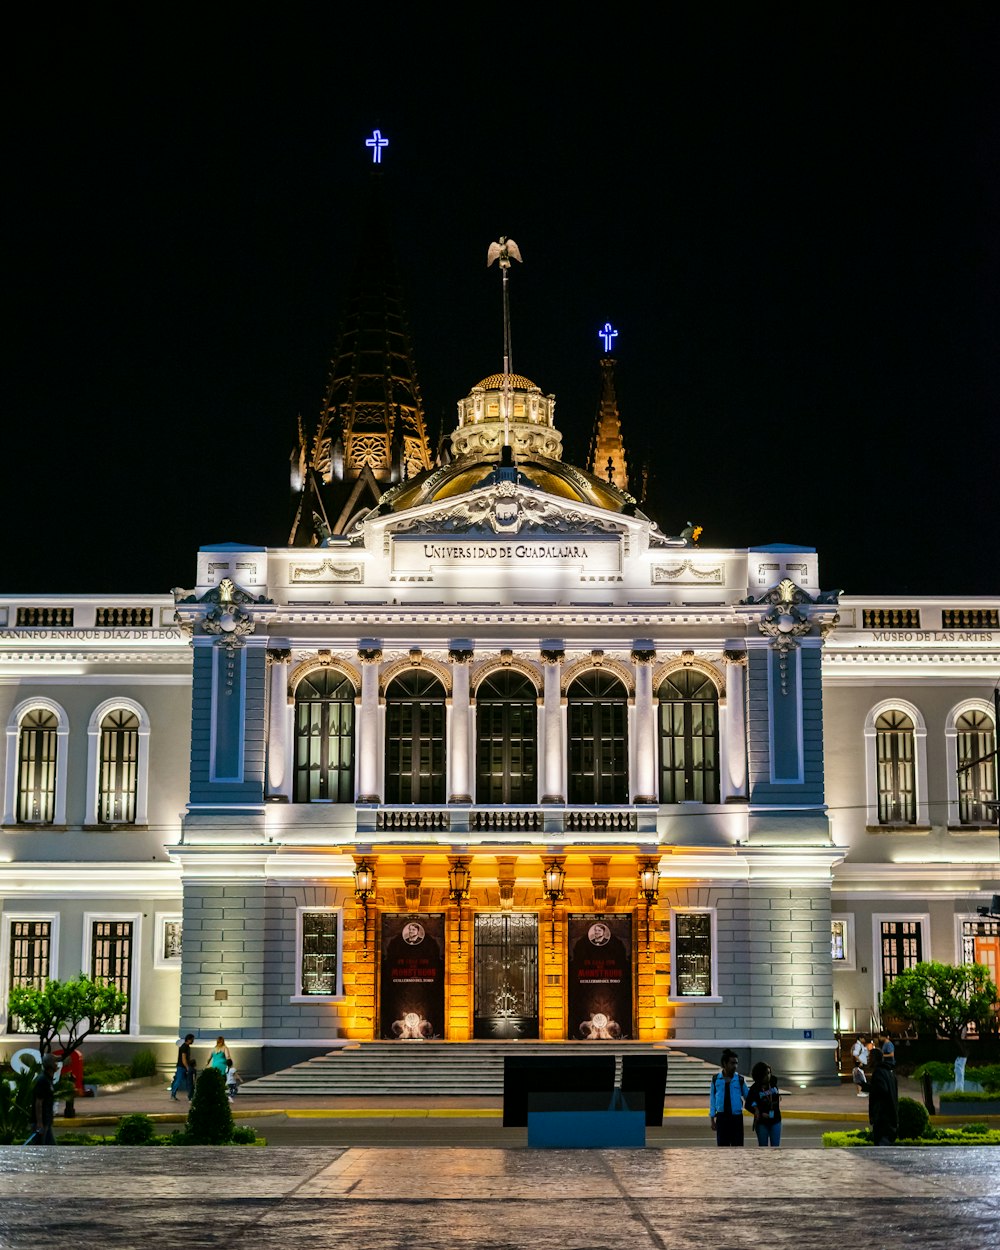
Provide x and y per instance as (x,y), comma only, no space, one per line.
(459,880)
(364,889)
(649,887)
(553,881)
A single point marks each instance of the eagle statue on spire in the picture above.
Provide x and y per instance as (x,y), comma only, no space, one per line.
(503,251)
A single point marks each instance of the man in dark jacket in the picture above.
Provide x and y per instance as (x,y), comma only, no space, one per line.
(883,1101)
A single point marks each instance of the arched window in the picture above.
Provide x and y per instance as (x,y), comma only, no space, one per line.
(506,717)
(977,770)
(37,750)
(894,754)
(689,738)
(414,739)
(598,739)
(324,738)
(119,778)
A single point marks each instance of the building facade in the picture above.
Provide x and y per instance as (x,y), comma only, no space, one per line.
(500,760)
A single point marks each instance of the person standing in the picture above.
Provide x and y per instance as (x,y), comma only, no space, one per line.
(859,1050)
(184,1075)
(888,1049)
(859,1079)
(220,1059)
(883,1101)
(43,1104)
(764,1100)
(725,1105)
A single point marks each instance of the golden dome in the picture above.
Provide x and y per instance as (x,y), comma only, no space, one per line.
(495,383)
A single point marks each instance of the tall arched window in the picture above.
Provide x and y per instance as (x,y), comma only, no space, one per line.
(977,768)
(598,739)
(324,738)
(689,738)
(119,778)
(506,717)
(414,739)
(36,767)
(894,754)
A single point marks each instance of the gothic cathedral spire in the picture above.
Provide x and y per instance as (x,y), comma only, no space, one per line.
(607,448)
(370,431)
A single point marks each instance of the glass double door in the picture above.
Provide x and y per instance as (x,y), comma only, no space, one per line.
(506,975)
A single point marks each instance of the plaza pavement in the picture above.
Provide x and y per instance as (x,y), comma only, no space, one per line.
(443,1174)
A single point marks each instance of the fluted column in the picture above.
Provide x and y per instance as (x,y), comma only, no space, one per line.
(645,727)
(734,773)
(554,790)
(366,740)
(279,773)
(460,785)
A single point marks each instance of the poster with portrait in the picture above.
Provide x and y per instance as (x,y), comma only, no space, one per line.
(411,998)
(599,991)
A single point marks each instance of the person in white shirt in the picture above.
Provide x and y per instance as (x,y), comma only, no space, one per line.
(860,1050)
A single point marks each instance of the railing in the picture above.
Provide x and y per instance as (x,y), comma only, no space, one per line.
(393,819)
(45,618)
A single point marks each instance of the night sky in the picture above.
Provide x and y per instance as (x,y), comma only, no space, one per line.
(789,212)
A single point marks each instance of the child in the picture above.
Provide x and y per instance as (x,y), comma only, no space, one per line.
(233,1080)
(859,1078)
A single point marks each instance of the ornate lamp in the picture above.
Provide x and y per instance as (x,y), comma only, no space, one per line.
(649,887)
(364,889)
(553,880)
(459,879)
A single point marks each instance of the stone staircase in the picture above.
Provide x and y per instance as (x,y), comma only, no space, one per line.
(412,1069)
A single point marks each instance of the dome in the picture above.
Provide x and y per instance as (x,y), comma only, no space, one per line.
(495,383)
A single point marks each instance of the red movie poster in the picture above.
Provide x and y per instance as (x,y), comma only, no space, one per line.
(599,993)
(412,989)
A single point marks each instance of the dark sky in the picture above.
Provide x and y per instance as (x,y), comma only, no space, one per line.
(789,212)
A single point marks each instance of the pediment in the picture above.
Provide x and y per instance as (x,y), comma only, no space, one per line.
(505,510)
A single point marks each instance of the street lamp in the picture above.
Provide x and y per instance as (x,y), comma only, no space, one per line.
(459,878)
(649,888)
(553,880)
(364,889)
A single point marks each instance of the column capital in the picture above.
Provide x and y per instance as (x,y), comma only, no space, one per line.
(461,655)
(553,656)
(643,656)
(735,657)
(370,655)
(277,655)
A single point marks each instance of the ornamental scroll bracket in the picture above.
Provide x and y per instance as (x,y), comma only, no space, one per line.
(227,615)
(785,623)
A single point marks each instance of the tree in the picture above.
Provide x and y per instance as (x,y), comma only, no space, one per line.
(80,1007)
(942,999)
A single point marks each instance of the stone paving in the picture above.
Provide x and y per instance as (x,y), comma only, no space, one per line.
(453,1199)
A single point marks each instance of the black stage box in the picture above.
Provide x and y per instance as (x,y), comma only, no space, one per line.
(552,1074)
(647,1073)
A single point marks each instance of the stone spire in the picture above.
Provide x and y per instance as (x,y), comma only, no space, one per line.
(607,449)
(371,430)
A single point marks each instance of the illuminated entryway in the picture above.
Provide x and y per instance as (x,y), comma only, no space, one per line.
(506,975)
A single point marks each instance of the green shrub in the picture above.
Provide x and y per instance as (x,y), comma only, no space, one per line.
(210,1120)
(143,1064)
(243,1135)
(913,1119)
(988,1076)
(17,1111)
(966,1095)
(977,1128)
(134,1130)
(940,1073)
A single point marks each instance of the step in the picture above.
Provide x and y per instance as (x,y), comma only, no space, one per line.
(446,1068)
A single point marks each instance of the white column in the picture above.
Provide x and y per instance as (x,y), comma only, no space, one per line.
(645,728)
(554,790)
(279,775)
(366,737)
(460,786)
(733,739)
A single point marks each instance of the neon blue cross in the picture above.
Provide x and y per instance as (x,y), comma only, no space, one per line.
(607,334)
(376,143)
